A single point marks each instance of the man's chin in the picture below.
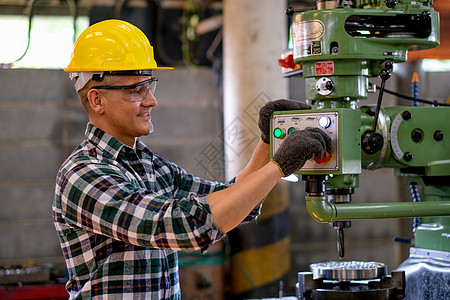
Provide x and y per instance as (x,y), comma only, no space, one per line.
(147,131)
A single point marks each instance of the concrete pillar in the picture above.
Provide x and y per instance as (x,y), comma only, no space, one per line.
(255,34)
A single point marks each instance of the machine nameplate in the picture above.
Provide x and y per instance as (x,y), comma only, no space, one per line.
(307,36)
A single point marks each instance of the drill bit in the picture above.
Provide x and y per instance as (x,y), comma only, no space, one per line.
(340,242)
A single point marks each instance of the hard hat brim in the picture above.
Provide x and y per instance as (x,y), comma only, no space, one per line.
(69,69)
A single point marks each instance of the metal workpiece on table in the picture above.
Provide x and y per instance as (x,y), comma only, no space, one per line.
(377,286)
(348,270)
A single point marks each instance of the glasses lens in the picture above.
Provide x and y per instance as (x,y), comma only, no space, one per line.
(153,85)
(134,93)
(138,92)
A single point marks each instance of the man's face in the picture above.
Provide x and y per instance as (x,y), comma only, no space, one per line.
(126,112)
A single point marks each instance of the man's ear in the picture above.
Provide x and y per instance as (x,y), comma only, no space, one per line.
(95,101)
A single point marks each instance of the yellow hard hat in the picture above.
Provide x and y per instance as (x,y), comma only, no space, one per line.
(112,45)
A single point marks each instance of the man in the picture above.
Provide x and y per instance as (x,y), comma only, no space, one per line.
(123,212)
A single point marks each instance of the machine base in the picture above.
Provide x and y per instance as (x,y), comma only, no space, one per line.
(427,274)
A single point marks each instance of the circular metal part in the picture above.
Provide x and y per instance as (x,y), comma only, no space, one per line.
(348,270)
(314,184)
(327,4)
(355,292)
(391,287)
(339,199)
(324,86)
(335,50)
(341,224)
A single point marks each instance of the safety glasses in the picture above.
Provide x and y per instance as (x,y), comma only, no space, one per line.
(134,92)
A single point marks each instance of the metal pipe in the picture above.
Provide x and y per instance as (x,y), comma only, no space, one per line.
(323,211)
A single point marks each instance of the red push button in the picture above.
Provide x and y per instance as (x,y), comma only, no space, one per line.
(327,157)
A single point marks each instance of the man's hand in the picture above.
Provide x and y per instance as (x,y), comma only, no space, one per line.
(299,146)
(267,110)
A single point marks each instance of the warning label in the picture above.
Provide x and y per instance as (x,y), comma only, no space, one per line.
(324,68)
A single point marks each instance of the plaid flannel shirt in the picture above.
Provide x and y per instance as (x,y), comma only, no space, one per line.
(121,215)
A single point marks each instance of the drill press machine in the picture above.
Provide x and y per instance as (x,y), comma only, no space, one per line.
(340,45)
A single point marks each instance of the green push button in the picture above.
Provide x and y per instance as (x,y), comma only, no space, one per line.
(278,133)
(291,129)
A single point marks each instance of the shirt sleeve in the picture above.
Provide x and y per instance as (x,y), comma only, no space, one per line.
(98,198)
(188,183)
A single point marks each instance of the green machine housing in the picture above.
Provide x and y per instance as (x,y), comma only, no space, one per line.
(340,45)
(348,45)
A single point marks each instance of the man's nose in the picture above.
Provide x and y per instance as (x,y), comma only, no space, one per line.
(150,100)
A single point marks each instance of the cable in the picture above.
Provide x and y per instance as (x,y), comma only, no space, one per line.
(432,102)
(165,59)
(30,13)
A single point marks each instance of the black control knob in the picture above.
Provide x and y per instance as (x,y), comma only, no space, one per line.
(385,74)
(438,135)
(425,16)
(371,111)
(407,156)
(386,66)
(406,115)
(391,3)
(371,142)
(290,11)
(329,85)
(417,135)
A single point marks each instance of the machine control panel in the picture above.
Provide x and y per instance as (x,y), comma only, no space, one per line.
(284,124)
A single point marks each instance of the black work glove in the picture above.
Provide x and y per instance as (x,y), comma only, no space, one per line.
(299,146)
(267,110)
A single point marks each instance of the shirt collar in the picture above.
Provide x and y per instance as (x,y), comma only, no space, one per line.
(109,144)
